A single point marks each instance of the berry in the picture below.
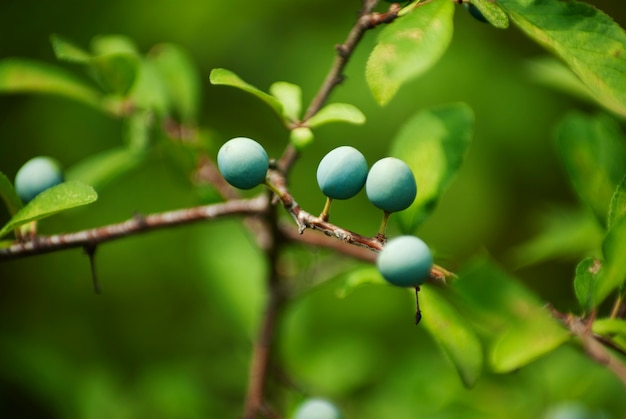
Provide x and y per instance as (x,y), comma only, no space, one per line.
(37,175)
(243,162)
(475,12)
(342,172)
(317,409)
(390,185)
(405,261)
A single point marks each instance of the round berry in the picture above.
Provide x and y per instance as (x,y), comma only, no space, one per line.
(390,185)
(243,162)
(405,261)
(317,409)
(342,172)
(37,175)
(475,12)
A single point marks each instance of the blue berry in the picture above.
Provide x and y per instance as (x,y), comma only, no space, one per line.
(317,409)
(405,261)
(37,175)
(342,172)
(243,162)
(475,12)
(390,185)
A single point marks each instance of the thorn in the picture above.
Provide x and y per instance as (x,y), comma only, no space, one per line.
(418,312)
(90,250)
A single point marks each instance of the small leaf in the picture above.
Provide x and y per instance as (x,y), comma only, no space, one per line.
(613,273)
(221,76)
(551,72)
(609,327)
(366,275)
(102,168)
(8,195)
(408,47)
(65,50)
(493,13)
(51,201)
(113,44)
(586,281)
(337,112)
(593,152)
(617,209)
(587,40)
(115,73)
(290,97)
(453,334)
(433,143)
(149,91)
(24,76)
(180,78)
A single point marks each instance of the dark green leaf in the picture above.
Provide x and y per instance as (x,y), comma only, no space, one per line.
(613,273)
(65,50)
(102,168)
(493,13)
(433,143)
(593,151)
(181,79)
(586,281)
(618,203)
(116,72)
(453,334)
(337,112)
(221,76)
(23,76)
(589,42)
(408,47)
(51,201)
(8,195)
(290,97)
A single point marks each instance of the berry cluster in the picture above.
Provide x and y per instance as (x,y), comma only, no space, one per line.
(389,184)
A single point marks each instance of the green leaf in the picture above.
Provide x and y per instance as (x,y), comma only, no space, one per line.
(586,281)
(221,76)
(290,97)
(493,13)
(51,201)
(113,44)
(149,91)
(102,168)
(609,327)
(337,112)
(24,76)
(617,209)
(65,50)
(408,47)
(433,143)
(551,72)
(587,40)
(613,272)
(115,73)
(365,275)
(453,334)
(593,152)
(181,79)
(8,195)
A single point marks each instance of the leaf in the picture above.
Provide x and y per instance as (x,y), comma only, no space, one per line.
(102,168)
(366,275)
(180,78)
(586,281)
(617,209)
(24,76)
(65,50)
(113,44)
(51,201)
(337,112)
(593,152)
(408,47)
(115,73)
(221,76)
(149,91)
(553,73)
(493,13)
(587,40)
(615,329)
(7,192)
(433,143)
(613,273)
(290,97)
(453,334)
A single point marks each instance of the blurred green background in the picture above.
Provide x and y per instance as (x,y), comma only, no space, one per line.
(170,337)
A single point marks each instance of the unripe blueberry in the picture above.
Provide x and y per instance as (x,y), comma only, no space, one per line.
(390,185)
(475,12)
(37,175)
(405,261)
(243,162)
(317,409)
(342,172)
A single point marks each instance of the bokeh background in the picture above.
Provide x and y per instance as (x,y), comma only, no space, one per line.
(170,337)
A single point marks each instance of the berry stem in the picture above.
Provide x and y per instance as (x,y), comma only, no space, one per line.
(380,236)
(326,211)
